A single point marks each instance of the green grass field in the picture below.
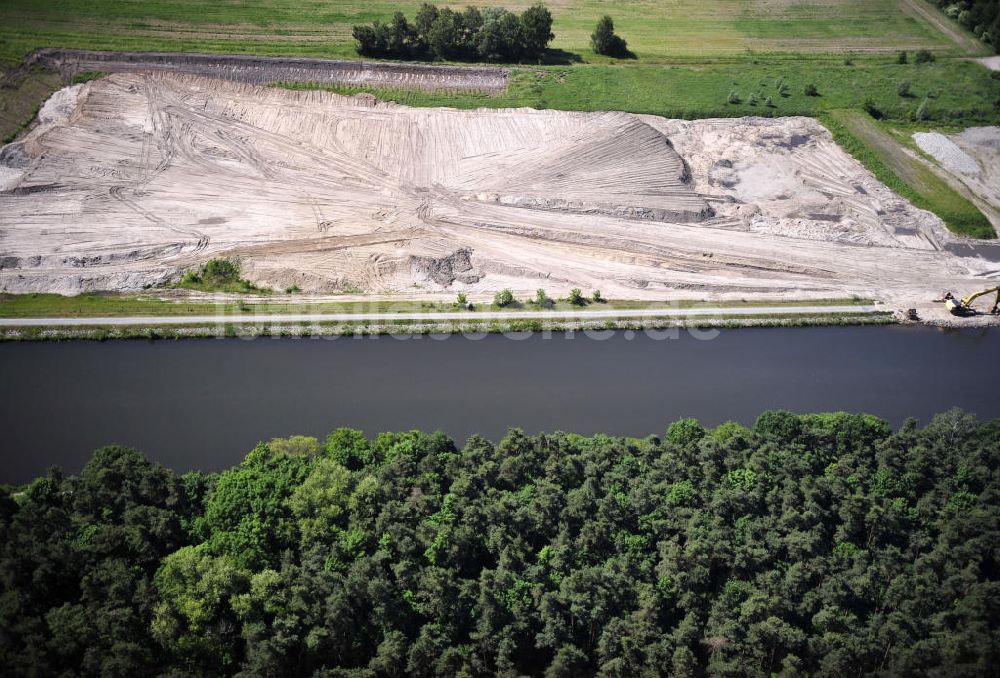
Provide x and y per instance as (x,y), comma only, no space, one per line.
(655,29)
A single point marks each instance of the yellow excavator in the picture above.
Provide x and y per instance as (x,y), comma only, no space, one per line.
(963,306)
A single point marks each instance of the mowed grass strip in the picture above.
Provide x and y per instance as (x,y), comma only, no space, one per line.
(654,30)
(888,159)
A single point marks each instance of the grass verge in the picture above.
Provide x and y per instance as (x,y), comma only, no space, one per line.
(121,305)
(425,327)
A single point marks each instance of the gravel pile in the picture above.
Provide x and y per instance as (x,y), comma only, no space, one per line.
(946,152)
(992,63)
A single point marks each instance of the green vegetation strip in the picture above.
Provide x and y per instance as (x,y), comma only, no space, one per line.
(305,329)
(114,305)
(957,91)
(821,544)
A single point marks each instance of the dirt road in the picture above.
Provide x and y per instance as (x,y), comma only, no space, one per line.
(470,316)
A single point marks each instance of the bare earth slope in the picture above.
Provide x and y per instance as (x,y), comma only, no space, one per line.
(132,178)
(262,69)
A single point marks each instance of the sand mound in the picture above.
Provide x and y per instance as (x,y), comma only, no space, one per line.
(150,174)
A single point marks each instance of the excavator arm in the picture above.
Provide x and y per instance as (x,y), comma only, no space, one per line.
(967,301)
(964,306)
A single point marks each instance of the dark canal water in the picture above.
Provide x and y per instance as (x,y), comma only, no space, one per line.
(205,403)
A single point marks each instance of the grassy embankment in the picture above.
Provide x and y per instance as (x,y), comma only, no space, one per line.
(305,329)
(958,92)
(20,102)
(122,305)
(224,275)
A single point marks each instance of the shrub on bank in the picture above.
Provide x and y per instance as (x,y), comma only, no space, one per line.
(503,298)
(221,275)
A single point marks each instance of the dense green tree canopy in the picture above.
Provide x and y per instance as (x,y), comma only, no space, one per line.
(817,544)
(982,17)
(491,34)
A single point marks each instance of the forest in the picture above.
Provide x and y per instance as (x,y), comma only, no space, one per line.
(982,17)
(825,544)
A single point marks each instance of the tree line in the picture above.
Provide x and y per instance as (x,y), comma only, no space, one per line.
(982,17)
(491,34)
(814,544)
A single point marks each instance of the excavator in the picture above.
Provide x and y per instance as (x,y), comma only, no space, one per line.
(963,306)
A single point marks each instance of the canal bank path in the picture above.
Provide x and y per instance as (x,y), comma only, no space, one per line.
(598,314)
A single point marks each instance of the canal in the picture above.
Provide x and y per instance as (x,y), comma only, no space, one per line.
(205,403)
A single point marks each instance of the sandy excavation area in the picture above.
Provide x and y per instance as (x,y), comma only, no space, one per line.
(129,180)
(972,157)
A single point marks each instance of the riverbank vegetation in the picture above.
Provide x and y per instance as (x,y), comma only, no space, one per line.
(168,303)
(431,326)
(803,545)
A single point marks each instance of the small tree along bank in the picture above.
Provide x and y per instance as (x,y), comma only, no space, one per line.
(604,41)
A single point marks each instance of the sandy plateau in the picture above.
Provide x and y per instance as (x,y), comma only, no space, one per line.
(131,179)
